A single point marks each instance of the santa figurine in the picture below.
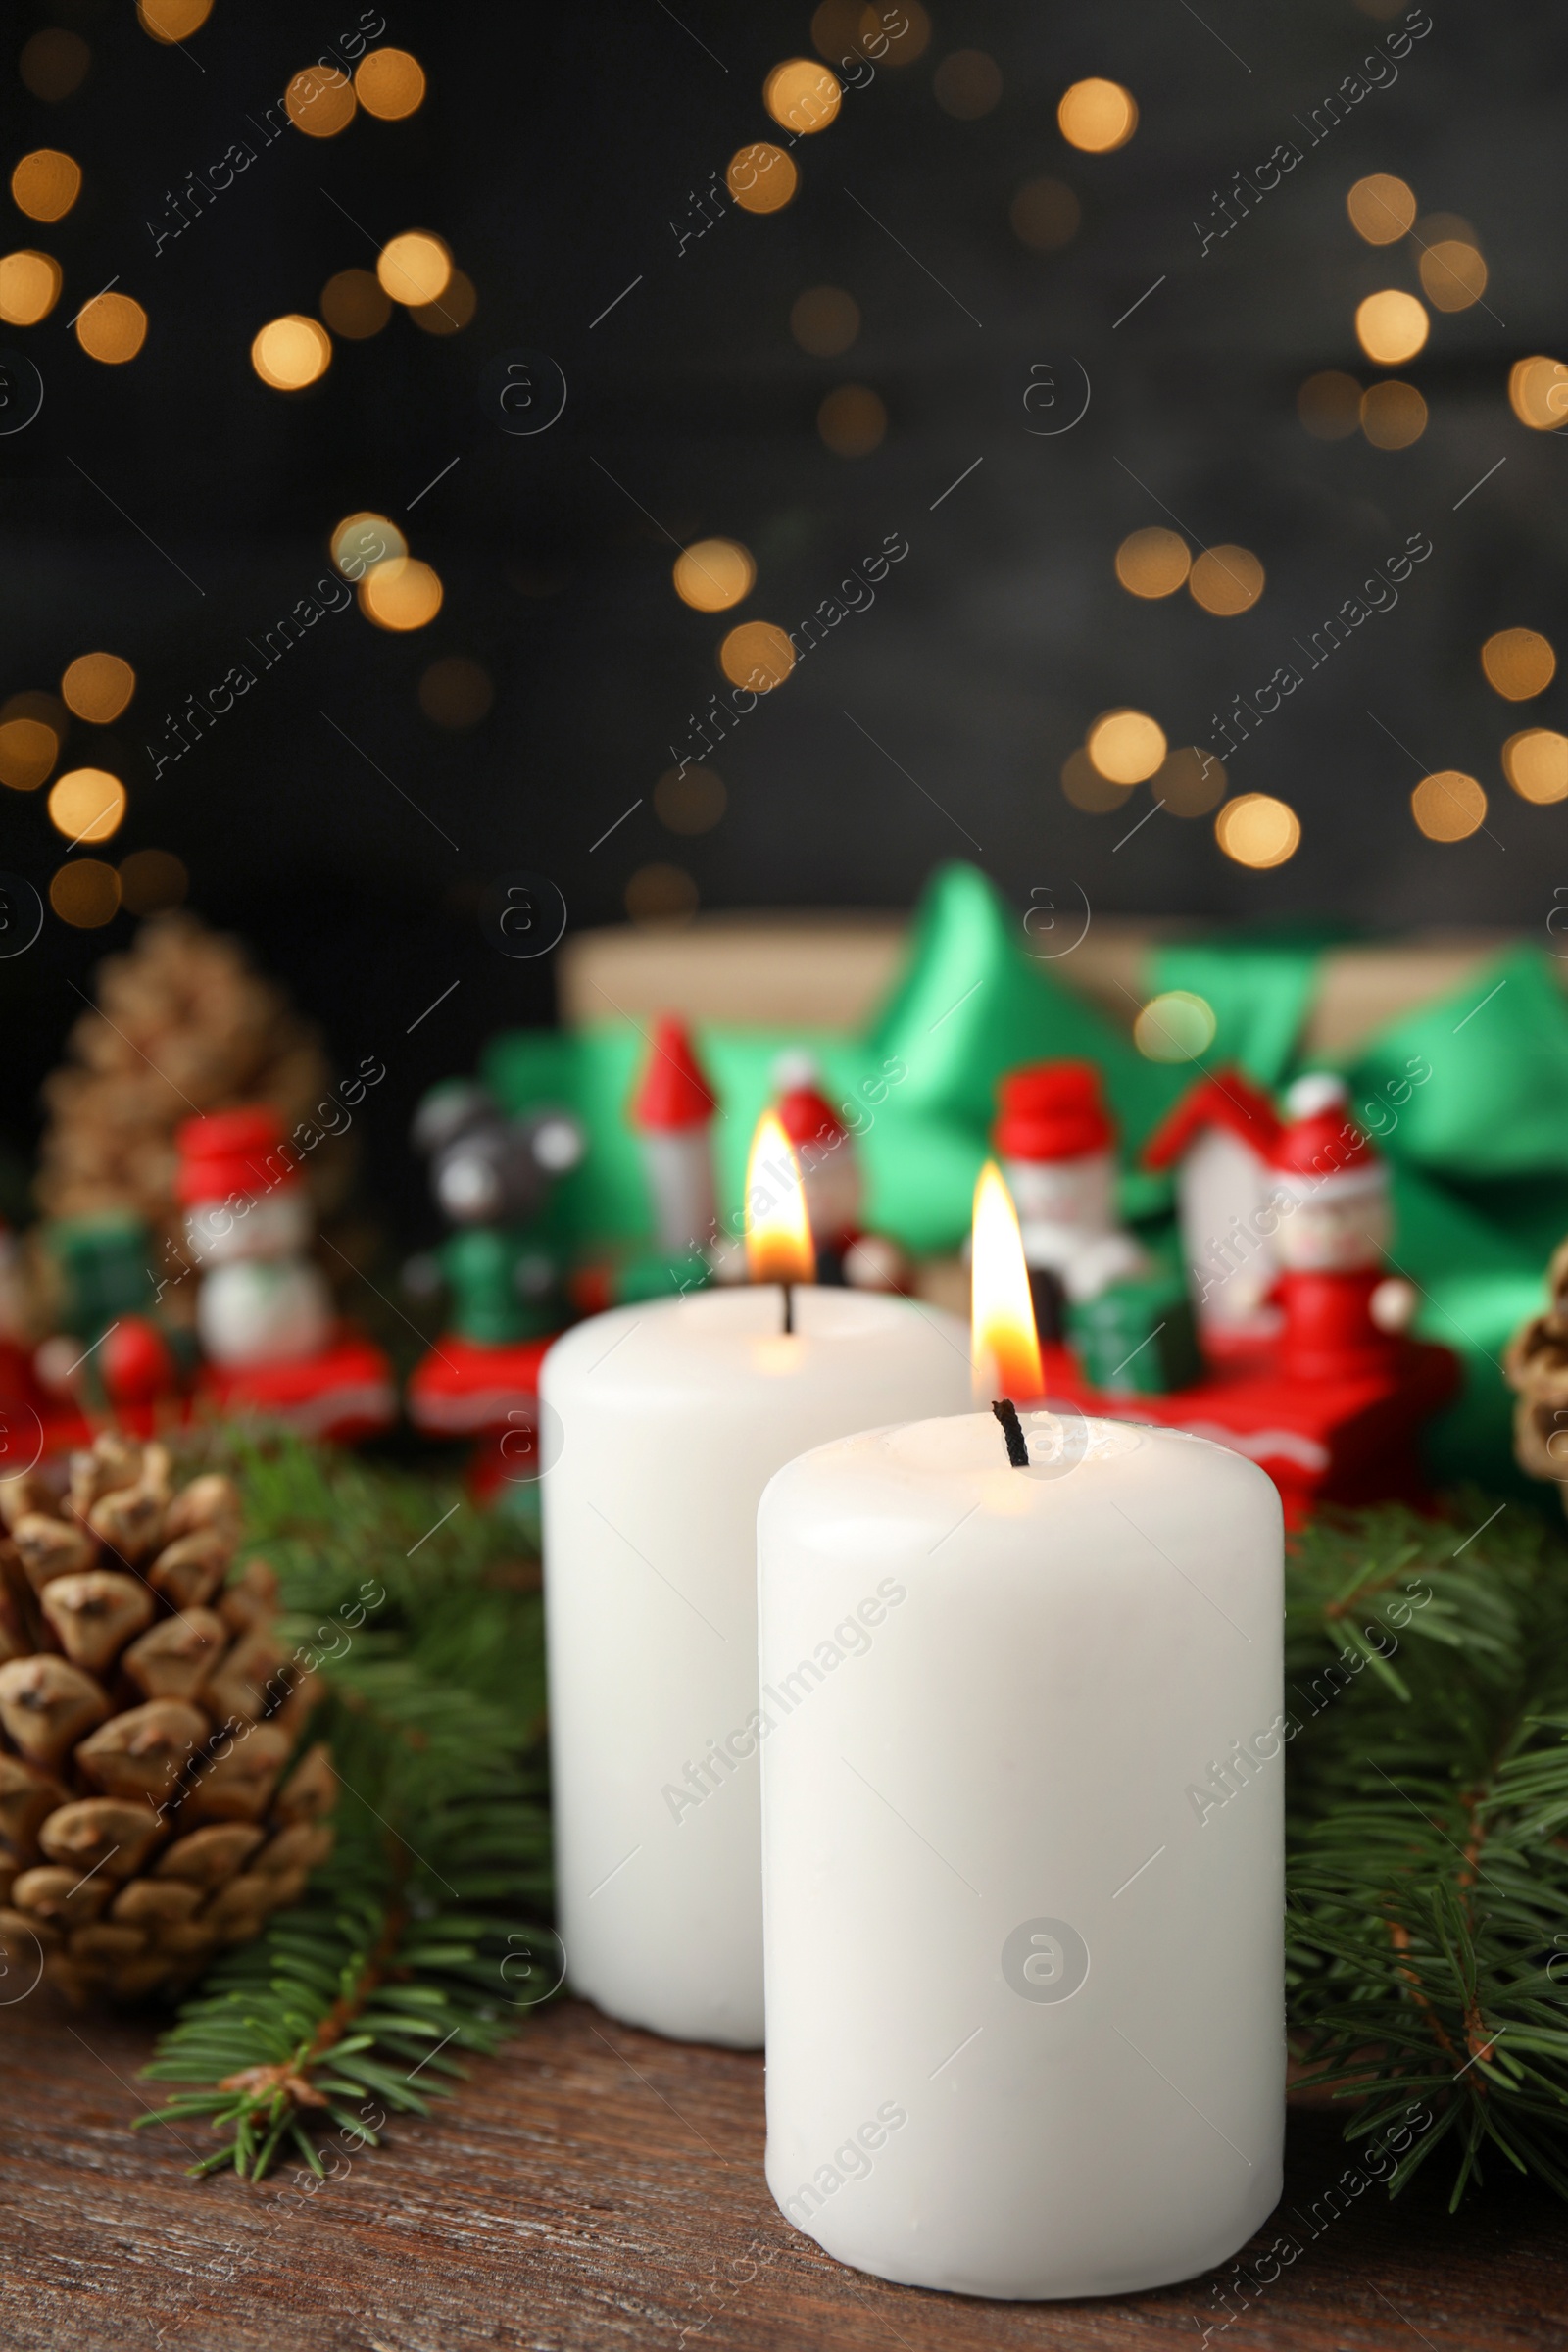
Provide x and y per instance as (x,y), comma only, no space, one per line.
(829,1162)
(1344,1314)
(672,1111)
(1057,1142)
(249,1225)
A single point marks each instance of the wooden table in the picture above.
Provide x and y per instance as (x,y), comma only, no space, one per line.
(595,2188)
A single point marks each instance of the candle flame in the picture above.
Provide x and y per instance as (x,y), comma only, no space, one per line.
(1004,1348)
(778,1231)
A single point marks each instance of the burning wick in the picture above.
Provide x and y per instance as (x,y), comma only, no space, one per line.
(778,1231)
(789,1305)
(1006,1413)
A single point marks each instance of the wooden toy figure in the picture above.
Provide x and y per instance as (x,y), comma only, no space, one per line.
(1344,1314)
(1056,1141)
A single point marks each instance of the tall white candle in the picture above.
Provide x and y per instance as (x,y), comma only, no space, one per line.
(1025,1856)
(672,1417)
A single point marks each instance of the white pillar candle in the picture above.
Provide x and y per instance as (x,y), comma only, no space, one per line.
(672,1417)
(1025,1953)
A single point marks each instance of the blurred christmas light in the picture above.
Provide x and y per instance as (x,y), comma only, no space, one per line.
(1226,580)
(1190,783)
(801,95)
(1126,746)
(151,880)
(1390,326)
(54,64)
(761,177)
(660,894)
(457,692)
(1045,214)
(967,85)
(1449,806)
(1153,563)
(356,304)
(1177,1026)
(904,44)
(46,183)
(29,286)
(362,539)
(291,352)
(1519,664)
(415,267)
(1087,789)
(1254,829)
(1098,116)
(171,21)
(320,102)
(97,687)
(458,303)
(1534,762)
(86,894)
(86,804)
(1538,393)
(389,83)
(1329,404)
(401,594)
(1453,274)
(712,575)
(111,328)
(1382,209)
(853,420)
(29,750)
(1393,414)
(693,803)
(759,655)
(824,320)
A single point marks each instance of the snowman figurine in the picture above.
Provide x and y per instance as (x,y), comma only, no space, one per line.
(248,1226)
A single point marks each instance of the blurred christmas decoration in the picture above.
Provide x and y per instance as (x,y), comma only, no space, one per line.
(1536,1365)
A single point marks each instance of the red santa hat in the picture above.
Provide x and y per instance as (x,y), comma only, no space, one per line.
(232,1152)
(805,1113)
(1319,1146)
(674,1093)
(1052,1111)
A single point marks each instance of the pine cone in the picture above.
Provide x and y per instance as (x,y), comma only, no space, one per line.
(1536,1364)
(148,1719)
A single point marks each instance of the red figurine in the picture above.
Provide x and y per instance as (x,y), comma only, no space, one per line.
(1343,1313)
(673,1110)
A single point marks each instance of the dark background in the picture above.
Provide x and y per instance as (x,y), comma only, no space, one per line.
(553,152)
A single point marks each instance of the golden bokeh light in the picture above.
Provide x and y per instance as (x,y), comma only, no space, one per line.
(452,312)
(1449,806)
(54,64)
(291,352)
(824,320)
(1098,116)
(801,95)
(389,83)
(457,692)
(171,21)
(853,420)
(761,177)
(1045,214)
(46,183)
(1390,326)
(1226,580)
(966,85)
(415,267)
(759,655)
(711,575)
(1004,1340)
(1153,562)
(1534,762)
(1177,1026)
(356,304)
(86,894)
(29,750)
(1518,663)
(97,687)
(1538,393)
(111,328)
(691,803)
(1329,404)
(29,286)
(1453,274)
(1190,783)
(320,102)
(1254,829)
(151,880)
(47,709)
(836,28)
(1126,747)
(1393,414)
(846,30)
(660,894)
(401,594)
(362,539)
(1087,789)
(86,804)
(1382,209)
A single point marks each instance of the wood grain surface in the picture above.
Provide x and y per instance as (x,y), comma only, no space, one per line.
(593,2189)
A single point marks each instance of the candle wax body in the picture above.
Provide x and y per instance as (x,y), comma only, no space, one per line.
(1024,1954)
(673,1416)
